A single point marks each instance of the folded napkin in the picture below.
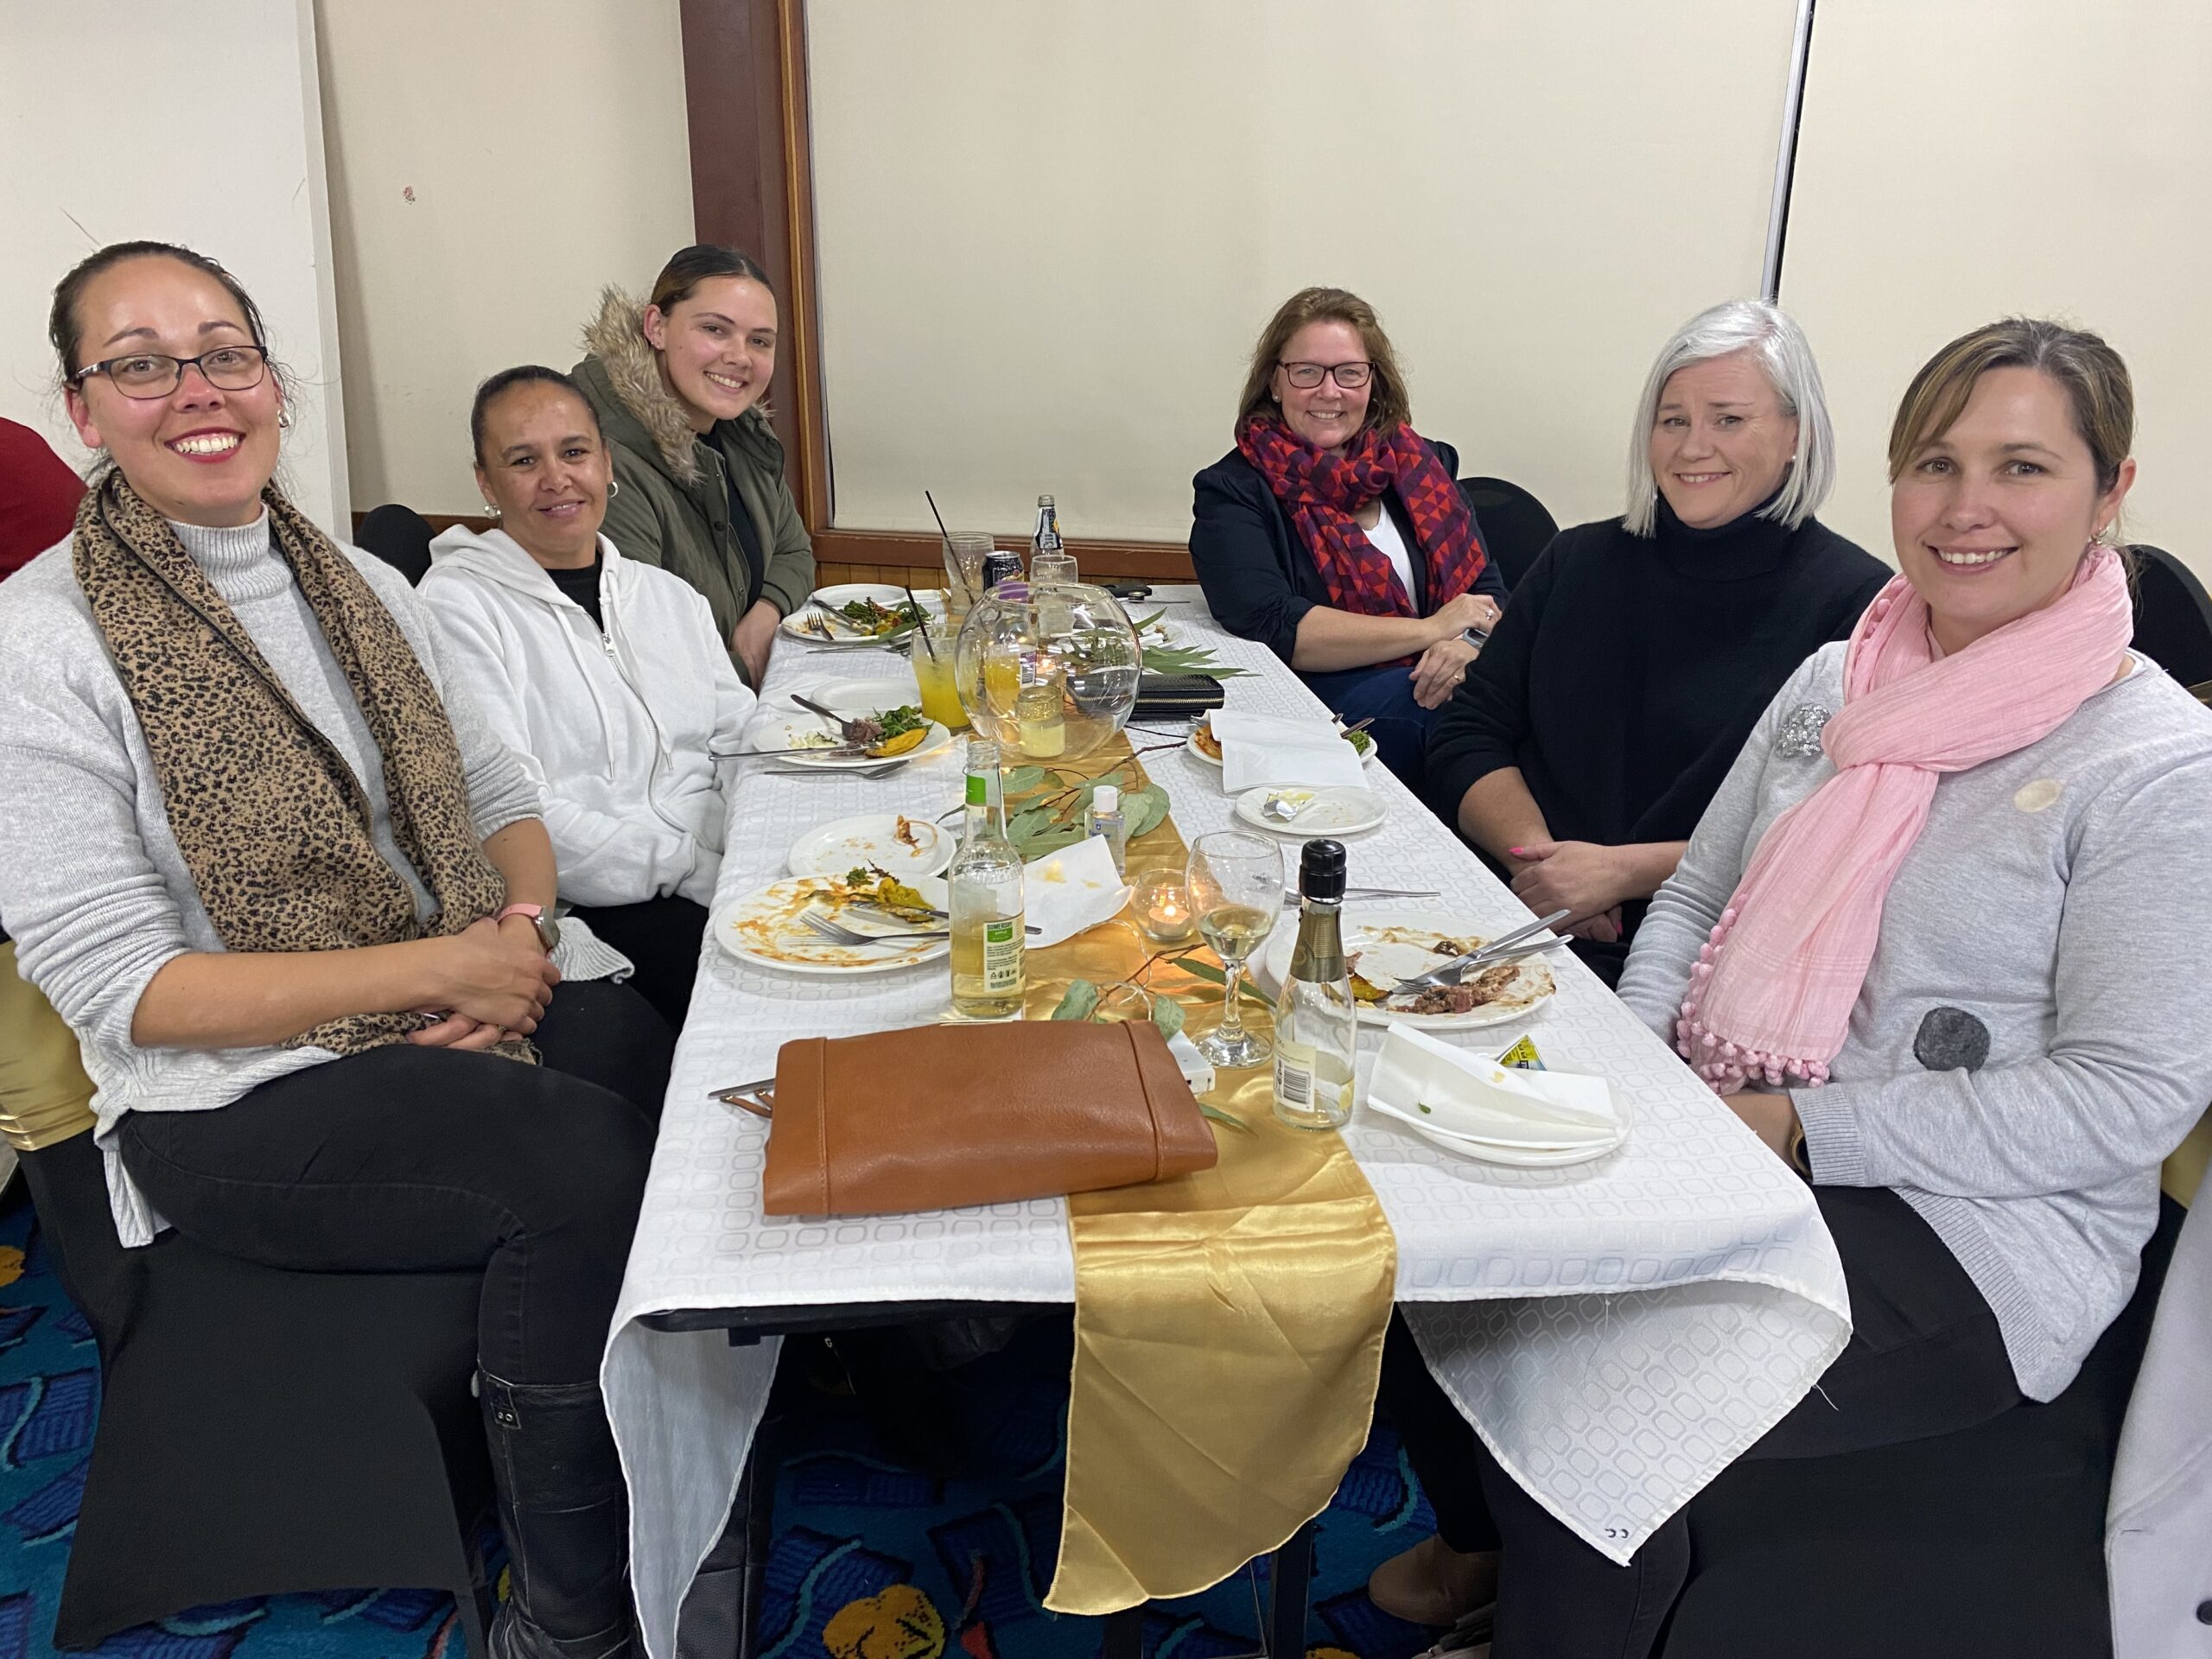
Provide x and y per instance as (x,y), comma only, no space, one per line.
(1072,889)
(1468,1102)
(1258,749)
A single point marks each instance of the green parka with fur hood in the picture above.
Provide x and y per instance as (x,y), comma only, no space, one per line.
(674,506)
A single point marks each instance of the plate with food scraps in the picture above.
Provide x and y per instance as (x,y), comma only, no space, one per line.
(891,705)
(764,927)
(892,841)
(1207,747)
(1384,947)
(1311,812)
(854,613)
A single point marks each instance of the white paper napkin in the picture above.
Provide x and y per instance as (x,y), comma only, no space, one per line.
(1258,749)
(1470,1104)
(1072,889)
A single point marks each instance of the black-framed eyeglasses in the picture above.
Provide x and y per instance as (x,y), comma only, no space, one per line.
(151,374)
(1307,376)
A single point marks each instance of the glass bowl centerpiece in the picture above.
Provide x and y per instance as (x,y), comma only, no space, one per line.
(1048,668)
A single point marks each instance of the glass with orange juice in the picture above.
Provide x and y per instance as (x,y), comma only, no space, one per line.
(935,674)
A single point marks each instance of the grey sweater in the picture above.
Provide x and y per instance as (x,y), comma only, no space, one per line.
(93,886)
(2035,1033)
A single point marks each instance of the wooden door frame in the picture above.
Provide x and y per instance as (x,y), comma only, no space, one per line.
(753,188)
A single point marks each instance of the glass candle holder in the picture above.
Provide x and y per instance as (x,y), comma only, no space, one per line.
(1161,903)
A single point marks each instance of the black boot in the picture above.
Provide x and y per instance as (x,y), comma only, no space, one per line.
(566,1518)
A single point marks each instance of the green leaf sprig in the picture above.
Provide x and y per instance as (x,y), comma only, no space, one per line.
(1052,814)
(1082,999)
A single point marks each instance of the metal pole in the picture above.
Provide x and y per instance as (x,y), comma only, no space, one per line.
(1785,155)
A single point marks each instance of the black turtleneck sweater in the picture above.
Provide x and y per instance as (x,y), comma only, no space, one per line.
(1626,672)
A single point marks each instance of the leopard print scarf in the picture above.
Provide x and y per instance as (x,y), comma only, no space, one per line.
(271,820)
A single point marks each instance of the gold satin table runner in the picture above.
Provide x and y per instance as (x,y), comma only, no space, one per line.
(1229,1323)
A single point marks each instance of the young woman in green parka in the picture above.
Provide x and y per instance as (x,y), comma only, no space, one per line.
(677,384)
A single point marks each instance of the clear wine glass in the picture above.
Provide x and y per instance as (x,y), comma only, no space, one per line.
(1236,890)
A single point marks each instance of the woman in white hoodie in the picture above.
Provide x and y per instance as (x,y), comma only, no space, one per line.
(607,677)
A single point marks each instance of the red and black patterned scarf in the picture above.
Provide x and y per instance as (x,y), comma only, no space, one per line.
(1322,491)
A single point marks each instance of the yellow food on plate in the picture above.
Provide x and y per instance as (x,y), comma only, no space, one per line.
(900,744)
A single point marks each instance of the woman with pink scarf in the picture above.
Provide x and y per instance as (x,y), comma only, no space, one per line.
(1943,941)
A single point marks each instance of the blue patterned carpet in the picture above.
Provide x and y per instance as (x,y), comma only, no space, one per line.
(869,1559)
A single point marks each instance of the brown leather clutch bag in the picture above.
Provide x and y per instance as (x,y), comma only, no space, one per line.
(945,1115)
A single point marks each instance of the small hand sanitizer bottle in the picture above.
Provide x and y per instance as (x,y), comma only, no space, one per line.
(1106,820)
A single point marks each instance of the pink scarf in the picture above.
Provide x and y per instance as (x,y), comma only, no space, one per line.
(1770,997)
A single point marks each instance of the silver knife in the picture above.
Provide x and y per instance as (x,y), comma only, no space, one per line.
(1502,943)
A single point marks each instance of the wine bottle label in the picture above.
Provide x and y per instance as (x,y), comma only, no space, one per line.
(1301,1084)
(1002,944)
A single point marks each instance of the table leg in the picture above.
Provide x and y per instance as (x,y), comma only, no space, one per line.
(1290,1579)
(1124,1637)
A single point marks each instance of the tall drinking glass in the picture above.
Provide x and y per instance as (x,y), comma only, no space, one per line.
(1236,892)
(936,675)
(963,570)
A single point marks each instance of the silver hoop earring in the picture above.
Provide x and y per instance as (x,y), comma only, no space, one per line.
(614,488)
(285,420)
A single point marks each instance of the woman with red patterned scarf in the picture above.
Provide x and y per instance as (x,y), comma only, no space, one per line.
(1337,535)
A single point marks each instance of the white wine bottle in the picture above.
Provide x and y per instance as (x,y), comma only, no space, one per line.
(986,900)
(1317,1023)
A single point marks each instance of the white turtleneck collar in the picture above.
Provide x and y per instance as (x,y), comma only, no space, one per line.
(240,561)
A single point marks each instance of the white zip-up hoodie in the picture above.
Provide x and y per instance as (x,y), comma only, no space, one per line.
(617,728)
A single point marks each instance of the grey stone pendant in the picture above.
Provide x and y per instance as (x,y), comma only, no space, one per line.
(1801,731)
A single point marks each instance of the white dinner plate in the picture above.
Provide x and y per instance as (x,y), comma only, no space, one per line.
(802,624)
(762,927)
(1396,944)
(905,846)
(1191,745)
(1328,813)
(785,725)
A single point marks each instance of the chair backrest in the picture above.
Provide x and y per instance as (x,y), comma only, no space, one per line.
(1516,526)
(400,537)
(2173,616)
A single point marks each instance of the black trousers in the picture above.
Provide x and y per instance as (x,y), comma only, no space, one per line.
(1925,1359)
(662,936)
(408,1158)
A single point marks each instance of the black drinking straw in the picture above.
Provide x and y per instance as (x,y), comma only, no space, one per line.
(923,626)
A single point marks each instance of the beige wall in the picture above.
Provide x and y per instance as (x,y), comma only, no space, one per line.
(489,167)
(1961,159)
(74,177)
(1048,234)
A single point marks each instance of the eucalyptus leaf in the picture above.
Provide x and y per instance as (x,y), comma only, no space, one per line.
(1080,1002)
(1022,779)
(1167,1015)
(1214,1114)
(1028,822)
(1205,970)
(1144,809)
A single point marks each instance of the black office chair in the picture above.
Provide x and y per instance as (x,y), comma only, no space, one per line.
(261,1432)
(1516,526)
(1991,1540)
(2173,616)
(400,537)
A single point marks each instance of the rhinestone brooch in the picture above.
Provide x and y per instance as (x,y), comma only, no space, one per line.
(1801,731)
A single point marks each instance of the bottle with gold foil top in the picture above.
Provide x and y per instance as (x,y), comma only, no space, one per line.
(987,902)
(1317,1022)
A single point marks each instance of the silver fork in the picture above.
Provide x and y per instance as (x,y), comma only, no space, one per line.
(1515,944)
(837,934)
(883,771)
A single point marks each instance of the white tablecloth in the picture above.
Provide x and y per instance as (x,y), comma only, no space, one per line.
(1617,1332)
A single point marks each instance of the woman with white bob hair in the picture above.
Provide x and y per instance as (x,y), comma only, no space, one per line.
(1637,652)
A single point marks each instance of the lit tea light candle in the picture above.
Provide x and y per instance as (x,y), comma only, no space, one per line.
(1162,907)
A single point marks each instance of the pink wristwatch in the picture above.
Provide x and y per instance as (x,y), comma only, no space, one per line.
(549,929)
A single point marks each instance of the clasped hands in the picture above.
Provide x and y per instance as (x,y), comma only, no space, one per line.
(1443,665)
(492,979)
(1583,878)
